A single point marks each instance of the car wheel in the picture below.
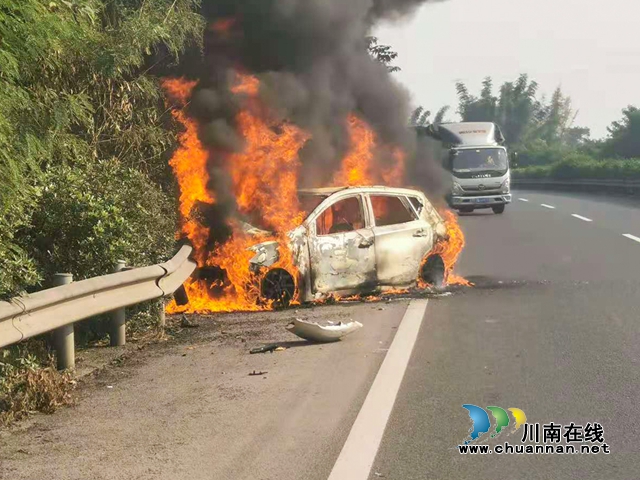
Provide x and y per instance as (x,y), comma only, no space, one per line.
(278,287)
(466,209)
(433,271)
(498,209)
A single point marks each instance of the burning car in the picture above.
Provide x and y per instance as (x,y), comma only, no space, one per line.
(355,240)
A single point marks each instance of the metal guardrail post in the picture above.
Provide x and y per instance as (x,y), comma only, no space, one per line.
(63,336)
(162,320)
(117,330)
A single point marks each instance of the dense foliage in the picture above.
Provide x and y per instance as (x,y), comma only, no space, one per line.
(84,134)
(579,165)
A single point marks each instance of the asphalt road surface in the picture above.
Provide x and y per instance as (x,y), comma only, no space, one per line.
(551,327)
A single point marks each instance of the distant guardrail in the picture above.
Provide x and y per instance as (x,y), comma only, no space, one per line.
(631,187)
(57,309)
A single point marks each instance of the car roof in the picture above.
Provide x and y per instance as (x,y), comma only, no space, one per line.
(362,189)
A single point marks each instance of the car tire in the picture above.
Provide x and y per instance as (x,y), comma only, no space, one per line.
(498,209)
(278,287)
(433,271)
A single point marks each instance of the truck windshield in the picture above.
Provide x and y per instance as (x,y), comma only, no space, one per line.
(479,160)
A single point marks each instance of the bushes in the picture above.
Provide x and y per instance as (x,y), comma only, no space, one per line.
(78,87)
(29,382)
(89,216)
(579,165)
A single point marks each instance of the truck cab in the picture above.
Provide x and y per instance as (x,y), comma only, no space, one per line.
(475,156)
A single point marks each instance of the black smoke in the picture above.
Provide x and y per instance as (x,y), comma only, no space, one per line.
(311,58)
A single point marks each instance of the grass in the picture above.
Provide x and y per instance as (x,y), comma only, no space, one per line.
(29,382)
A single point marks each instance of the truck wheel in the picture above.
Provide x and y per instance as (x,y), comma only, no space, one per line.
(278,287)
(498,209)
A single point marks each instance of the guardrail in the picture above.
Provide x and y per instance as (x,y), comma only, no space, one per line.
(57,309)
(580,184)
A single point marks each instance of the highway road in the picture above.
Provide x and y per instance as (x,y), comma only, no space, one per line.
(552,327)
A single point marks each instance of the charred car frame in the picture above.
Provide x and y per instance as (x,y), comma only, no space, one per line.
(355,240)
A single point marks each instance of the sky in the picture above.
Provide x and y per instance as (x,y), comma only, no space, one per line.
(589,48)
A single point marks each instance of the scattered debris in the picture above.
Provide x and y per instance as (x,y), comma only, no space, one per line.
(185,322)
(257,374)
(265,348)
(443,294)
(314,332)
(272,347)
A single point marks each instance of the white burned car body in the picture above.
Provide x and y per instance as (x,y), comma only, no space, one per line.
(355,240)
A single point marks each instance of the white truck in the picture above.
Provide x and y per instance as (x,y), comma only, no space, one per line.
(478,162)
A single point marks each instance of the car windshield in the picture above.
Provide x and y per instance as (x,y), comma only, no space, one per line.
(309,202)
(477,160)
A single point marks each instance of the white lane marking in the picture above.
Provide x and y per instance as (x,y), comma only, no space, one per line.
(632,237)
(580,217)
(359,451)
(547,206)
(523,199)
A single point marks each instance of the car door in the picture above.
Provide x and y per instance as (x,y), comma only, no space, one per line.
(402,239)
(341,247)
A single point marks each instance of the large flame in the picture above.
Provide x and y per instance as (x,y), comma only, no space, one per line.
(361,165)
(189,164)
(265,178)
(450,250)
(265,182)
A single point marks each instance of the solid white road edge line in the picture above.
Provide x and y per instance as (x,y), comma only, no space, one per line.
(360,449)
(547,206)
(580,217)
(523,199)
(632,237)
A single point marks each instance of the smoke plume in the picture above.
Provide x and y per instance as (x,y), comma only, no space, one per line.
(312,61)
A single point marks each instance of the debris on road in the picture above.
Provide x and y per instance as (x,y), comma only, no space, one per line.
(314,332)
(185,322)
(257,374)
(272,347)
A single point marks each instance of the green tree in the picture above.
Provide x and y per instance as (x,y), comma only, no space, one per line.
(519,111)
(90,217)
(420,117)
(539,129)
(624,135)
(439,118)
(477,109)
(382,53)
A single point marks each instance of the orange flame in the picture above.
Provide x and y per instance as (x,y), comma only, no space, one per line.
(189,164)
(450,250)
(265,179)
(361,165)
(357,165)
(223,27)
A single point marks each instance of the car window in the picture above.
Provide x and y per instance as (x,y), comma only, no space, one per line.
(343,216)
(389,210)
(308,203)
(417,204)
